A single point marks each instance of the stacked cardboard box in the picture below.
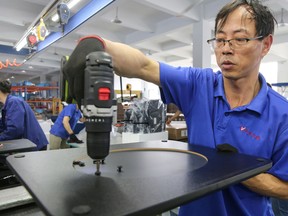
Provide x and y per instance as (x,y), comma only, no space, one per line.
(177,130)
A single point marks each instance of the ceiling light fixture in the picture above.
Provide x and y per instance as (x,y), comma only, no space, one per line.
(148,53)
(282,22)
(116,20)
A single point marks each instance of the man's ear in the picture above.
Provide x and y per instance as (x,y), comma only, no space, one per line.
(267,43)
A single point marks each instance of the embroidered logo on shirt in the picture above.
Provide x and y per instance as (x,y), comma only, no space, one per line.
(249,133)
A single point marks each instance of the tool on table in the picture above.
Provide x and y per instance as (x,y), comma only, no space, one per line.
(90,77)
(98,104)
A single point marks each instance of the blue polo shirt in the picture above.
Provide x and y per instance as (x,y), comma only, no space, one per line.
(58,127)
(259,129)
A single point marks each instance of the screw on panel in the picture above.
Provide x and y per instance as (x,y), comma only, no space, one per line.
(81,210)
(19,156)
(119,169)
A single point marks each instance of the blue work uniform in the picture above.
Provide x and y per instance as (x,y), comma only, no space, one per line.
(259,129)
(18,121)
(58,128)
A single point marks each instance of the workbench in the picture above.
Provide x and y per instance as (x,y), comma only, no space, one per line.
(17,145)
(145,178)
(12,194)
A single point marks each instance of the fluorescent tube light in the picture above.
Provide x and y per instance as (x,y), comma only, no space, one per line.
(72,3)
(21,44)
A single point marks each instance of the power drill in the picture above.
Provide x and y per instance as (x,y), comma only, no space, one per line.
(98,105)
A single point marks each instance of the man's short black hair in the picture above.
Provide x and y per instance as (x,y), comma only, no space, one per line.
(5,86)
(263,17)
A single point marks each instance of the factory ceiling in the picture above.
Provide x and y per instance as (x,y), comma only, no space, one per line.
(161,29)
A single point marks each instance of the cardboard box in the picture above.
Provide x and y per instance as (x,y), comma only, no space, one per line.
(120,112)
(177,131)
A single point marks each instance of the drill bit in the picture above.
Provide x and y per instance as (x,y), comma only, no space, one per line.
(97,162)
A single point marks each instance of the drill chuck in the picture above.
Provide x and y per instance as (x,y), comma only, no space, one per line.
(98,137)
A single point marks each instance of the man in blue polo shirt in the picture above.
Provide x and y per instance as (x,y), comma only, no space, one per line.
(233,106)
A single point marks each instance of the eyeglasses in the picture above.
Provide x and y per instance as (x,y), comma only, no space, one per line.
(234,43)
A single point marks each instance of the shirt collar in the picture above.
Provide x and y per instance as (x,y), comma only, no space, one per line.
(7,99)
(257,104)
(219,87)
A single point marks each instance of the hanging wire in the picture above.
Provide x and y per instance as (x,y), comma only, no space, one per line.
(8,63)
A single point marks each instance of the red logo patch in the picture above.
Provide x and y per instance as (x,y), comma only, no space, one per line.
(249,133)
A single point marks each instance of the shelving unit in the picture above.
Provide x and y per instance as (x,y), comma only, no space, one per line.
(44,101)
(30,89)
(129,94)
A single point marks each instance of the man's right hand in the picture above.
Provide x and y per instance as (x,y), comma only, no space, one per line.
(168,121)
(73,69)
(73,139)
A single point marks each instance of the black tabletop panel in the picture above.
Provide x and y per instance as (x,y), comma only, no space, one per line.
(148,181)
(17,145)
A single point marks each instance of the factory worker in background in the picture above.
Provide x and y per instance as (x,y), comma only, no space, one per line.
(18,119)
(64,126)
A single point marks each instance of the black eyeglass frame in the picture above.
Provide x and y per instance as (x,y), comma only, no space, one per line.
(223,41)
